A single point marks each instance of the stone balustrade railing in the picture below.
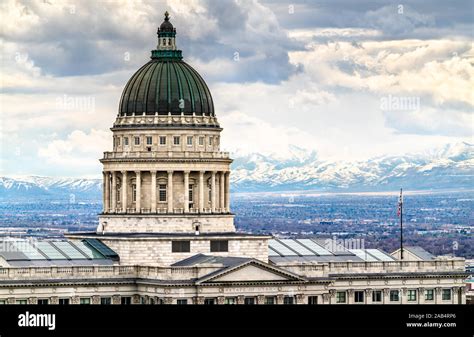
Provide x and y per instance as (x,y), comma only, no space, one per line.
(165,154)
(324,269)
(77,272)
(186,273)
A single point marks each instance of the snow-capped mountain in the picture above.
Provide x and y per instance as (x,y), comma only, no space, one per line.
(447,168)
(51,188)
(451,167)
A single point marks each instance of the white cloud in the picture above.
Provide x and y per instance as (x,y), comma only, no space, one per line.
(247,135)
(441,69)
(265,101)
(78,151)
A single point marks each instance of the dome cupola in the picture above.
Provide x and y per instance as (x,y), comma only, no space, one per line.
(166,26)
(166,85)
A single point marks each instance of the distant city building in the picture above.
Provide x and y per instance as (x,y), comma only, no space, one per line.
(166,234)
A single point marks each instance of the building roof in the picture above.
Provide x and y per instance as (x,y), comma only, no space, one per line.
(418,251)
(166,26)
(207,259)
(229,264)
(25,253)
(320,250)
(165,86)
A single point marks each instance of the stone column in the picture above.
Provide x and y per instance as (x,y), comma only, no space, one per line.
(213,191)
(104,189)
(350,296)
(280,299)
(153,191)
(221,191)
(114,191)
(32,300)
(95,299)
(403,296)
(116,299)
(107,192)
(136,299)
(299,298)
(170,192)
(326,298)
(386,296)
(124,191)
(421,296)
(227,191)
(462,295)
(438,295)
(186,191)
(198,300)
(201,191)
(368,296)
(138,182)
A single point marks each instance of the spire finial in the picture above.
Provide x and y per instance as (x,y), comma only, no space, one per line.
(167,16)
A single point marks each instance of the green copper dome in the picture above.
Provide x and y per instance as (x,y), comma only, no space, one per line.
(166,84)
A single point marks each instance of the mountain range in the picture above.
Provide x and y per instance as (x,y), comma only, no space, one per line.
(450,167)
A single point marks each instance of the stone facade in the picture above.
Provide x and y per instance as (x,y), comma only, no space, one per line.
(158,285)
(161,171)
(173,223)
(158,251)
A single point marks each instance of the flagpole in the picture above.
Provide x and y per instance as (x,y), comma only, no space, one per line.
(401,225)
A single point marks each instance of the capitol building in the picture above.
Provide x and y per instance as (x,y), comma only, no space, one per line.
(166,234)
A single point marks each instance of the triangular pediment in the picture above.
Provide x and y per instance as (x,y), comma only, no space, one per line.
(252,271)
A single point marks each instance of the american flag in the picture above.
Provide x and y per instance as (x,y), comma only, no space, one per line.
(400,203)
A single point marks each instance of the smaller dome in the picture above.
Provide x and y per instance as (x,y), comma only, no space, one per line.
(166,26)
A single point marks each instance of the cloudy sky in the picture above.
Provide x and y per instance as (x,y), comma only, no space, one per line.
(323,76)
